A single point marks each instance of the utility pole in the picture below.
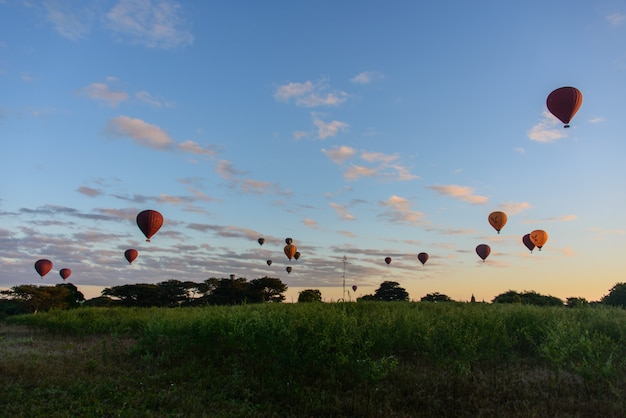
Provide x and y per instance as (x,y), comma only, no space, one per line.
(344,259)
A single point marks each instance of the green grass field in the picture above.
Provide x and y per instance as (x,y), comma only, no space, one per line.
(378,359)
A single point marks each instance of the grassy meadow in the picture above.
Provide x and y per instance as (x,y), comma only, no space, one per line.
(376,359)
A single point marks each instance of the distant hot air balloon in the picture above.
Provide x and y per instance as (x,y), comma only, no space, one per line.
(290,250)
(288,268)
(387,260)
(269,262)
(497,220)
(288,241)
(261,241)
(354,288)
(65,273)
(43,266)
(539,237)
(131,254)
(564,102)
(149,222)
(232,277)
(296,255)
(423,258)
(483,251)
(528,242)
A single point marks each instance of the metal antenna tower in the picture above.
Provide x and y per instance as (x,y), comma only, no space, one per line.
(344,259)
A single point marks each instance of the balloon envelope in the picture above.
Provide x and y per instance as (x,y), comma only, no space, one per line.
(564,102)
(131,254)
(539,237)
(483,251)
(269,262)
(149,222)
(423,258)
(354,288)
(43,266)
(528,242)
(288,241)
(288,268)
(65,273)
(497,220)
(290,250)
(387,260)
(296,255)
(261,241)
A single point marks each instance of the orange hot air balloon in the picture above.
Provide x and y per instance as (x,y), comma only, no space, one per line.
(564,102)
(423,258)
(65,273)
(483,251)
(290,250)
(497,220)
(269,262)
(261,241)
(131,254)
(387,260)
(539,237)
(149,222)
(288,268)
(43,266)
(528,242)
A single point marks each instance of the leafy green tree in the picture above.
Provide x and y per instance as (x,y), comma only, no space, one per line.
(508,297)
(310,295)
(576,302)
(266,289)
(75,298)
(616,296)
(528,298)
(42,298)
(226,291)
(140,294)
(436,297)
(391,291)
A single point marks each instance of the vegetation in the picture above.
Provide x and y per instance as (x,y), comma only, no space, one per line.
(316,359)
(387,292)
(310,295)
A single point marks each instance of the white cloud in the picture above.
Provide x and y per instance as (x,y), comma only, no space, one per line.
(226,170)
(310,223)
(513,208)
(310,94)
(546,129)
(153,23)
(356,171)
(103,93)
(463,193)
(330,129)
(342,212)
(339,154)
(366,77)
(195,148)
(399,210)
(147,98)
(70,19)
(141,132)
(616,19)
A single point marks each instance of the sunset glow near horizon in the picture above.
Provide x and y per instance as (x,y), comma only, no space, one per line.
(365,130)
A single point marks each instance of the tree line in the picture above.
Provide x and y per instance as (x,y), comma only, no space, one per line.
(235,291)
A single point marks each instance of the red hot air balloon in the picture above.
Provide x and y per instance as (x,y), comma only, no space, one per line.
(483,251)
(149,222)
(65,273)
(131,254)
(43,266)
(564,102)
(528,242)
(387,260)
(423,258)
(290,250)
(354,288)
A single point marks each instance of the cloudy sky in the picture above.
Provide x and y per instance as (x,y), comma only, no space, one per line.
(366,130)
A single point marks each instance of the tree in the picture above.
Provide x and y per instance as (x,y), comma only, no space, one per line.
(576,302)
(266,289)
(310,295)
(436,297)
(391,291)
(528,298)
(616,296)
(42,298)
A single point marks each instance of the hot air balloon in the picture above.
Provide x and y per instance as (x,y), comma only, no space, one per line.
(269,262)
(539,237)
(261,241)
(354,288)
(290,250)
(130,255)
(65,273)
(43,266)
(387,260)
(497,220)
(296,255)
(423,258)
(288,241)
(288,268)
(483,251)
(149,222)
(564,102)
(528,242)
(232,277)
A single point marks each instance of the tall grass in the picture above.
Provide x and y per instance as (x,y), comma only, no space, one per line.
(340,359)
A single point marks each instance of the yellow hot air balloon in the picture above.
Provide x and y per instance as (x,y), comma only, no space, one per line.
(290,250)
(497,220)
(539,237)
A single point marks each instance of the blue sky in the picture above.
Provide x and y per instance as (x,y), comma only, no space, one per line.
(359,129)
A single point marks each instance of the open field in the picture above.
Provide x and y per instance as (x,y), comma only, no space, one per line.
(355,359)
